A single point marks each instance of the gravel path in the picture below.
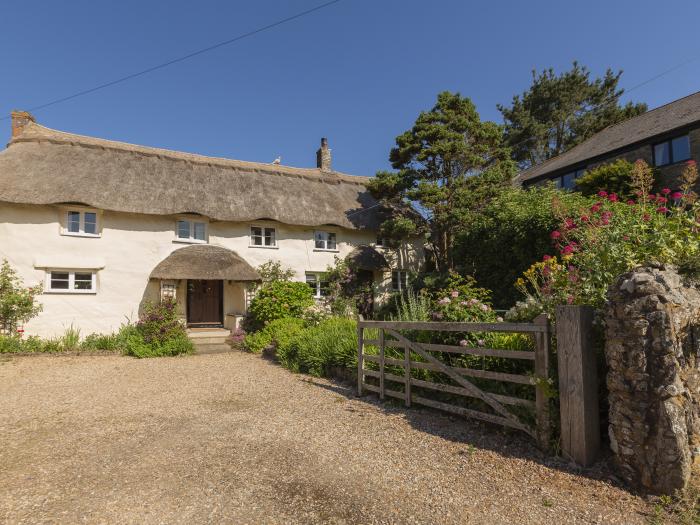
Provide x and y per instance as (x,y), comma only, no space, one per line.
(234,438)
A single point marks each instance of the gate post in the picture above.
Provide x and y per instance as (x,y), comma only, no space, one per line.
(542,342)
(360,350)
(578,384)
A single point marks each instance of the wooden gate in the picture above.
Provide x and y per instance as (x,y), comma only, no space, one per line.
(418,356)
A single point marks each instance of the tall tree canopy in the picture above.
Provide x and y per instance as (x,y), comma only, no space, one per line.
(558,112)
(449,163)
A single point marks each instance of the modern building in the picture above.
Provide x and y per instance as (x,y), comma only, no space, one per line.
(665,137)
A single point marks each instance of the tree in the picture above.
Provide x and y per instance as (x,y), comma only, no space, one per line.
(558,112)
(17,303)
(448,163)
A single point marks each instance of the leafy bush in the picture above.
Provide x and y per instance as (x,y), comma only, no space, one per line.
(412,306)
(17,303)
(508,235)
(274,271)
(157,333)
(313,350)
(106,342)
(276,333)
(615,177)
(609,238)
(280,299)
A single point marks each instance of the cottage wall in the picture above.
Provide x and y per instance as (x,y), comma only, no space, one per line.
(131,245)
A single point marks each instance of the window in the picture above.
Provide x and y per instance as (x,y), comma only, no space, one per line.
(672,151)
(568,180)
(399,280)
(318,284)
(325,240)
(191,231)
(69,281)
(81,223)
(264,237)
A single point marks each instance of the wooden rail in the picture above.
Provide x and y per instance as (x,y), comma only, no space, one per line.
(420,356)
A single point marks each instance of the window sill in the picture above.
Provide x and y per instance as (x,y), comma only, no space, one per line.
(263,247)
(190,241)
(71,292)
(326,250)
(79,234)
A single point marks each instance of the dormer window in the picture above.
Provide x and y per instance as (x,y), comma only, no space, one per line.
(80,223)
(189,230)
(325,241)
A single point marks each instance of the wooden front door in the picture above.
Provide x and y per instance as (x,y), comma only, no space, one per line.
(205,302)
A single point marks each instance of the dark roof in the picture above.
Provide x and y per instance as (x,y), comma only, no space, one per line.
(45,166)
(204,261)
(666,118)
(367,258)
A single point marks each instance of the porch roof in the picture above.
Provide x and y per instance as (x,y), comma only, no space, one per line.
(204,261)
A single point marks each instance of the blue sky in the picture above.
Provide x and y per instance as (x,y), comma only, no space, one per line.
(357,72)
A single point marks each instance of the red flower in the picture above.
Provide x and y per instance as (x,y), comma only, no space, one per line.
(602,193)
(570,224)
(584,218)
(646,217)
(691,163)
(555,234)
(568,249)
(612,197)
(665,191)
(662,209)
(652,196)
(662,200)
(631,202)
(546,257)
(595,208)
(676,195)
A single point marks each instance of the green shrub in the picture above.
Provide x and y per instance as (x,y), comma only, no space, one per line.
(256,342)
(615,177)
(158,333)
(276,333)
(508,235)
(279,299)
(106,342)
(17,302)
(333,342)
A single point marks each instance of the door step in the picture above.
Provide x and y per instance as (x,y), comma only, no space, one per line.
(210,340)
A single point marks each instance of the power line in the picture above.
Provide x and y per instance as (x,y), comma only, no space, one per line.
(182,58)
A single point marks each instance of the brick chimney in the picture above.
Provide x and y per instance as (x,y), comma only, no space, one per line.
(323,156)
(19,120)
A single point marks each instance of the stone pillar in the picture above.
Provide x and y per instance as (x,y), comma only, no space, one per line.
(652,349)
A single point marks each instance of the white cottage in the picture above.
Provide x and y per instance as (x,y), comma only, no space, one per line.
(106,226)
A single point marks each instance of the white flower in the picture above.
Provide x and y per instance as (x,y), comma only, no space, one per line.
(499,319)
(463,342)
(481,342)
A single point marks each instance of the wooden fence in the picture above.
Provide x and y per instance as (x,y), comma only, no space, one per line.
(390,336)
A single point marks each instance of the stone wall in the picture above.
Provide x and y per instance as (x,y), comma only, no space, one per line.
(652,349)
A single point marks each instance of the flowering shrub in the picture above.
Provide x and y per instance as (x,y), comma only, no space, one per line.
(158,332)
(612,236)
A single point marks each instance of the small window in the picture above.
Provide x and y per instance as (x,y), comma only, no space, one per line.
(318,284)
(568,180)
(557,182)
(62,281)
(325,240)
(81,223)
(263,237)
(399,280)
(191,231)
(672,151)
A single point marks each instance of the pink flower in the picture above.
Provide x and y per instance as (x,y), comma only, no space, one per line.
(646,217)
(570,299)
(568,249)
(602,193)
(662,200)
(546,257)
(676,195)
(464,303)
(652,196)
(485,308)
(481,342)
(555,234)
(662,209)
(570,225)
(455,294)
(584,218)
(463,342)
(631,202)
(595,208)
(665,191)
(691,163)
(612,197)
(444,300)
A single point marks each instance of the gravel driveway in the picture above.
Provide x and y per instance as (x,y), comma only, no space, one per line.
(234,438)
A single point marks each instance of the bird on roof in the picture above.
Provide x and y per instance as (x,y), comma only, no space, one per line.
(278,160)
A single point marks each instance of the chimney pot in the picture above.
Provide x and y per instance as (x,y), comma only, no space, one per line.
(323,156)
(20,119)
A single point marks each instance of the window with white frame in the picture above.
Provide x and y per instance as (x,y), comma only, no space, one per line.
(325,240)
(262,236)
(189,230)
(318,284)
(71,281)
(399,280)
(80,223)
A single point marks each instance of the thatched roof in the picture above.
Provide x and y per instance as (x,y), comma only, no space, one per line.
(44,166)
(642,128)
(204,261)
(367,258)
